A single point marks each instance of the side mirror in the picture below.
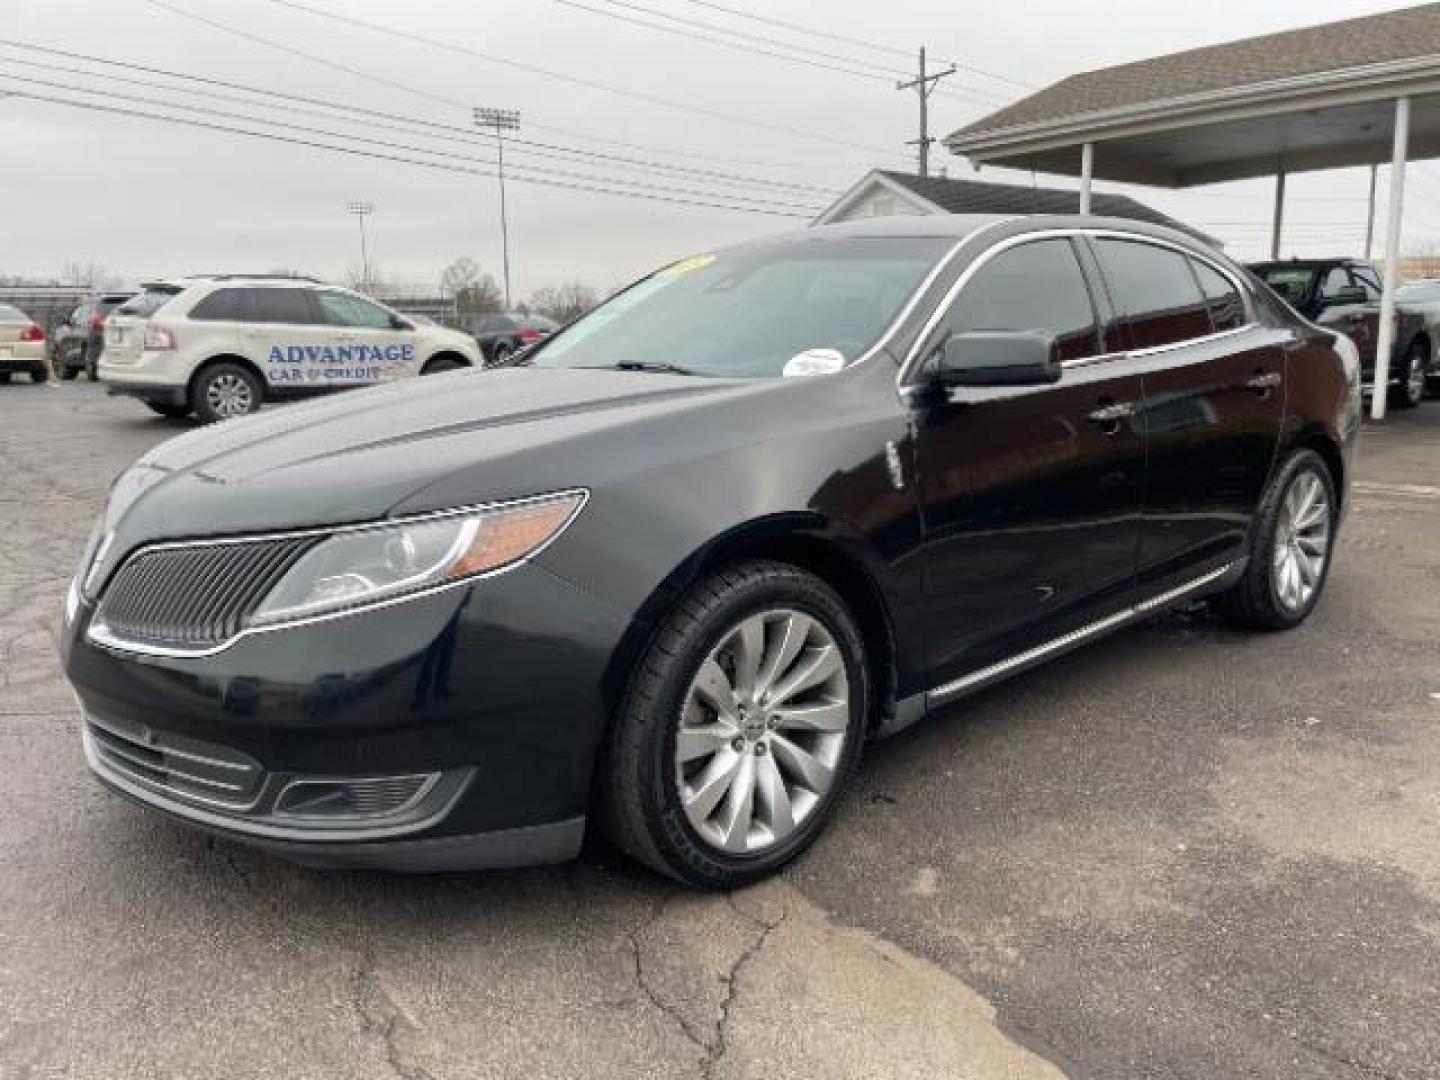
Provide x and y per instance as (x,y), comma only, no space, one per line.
(1346,297)
(997,358)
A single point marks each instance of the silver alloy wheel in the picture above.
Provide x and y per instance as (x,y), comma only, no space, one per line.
(762,730)
(1415,377)
(1302,541)
(229,395)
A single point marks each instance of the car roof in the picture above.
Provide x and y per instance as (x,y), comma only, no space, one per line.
(1307,264)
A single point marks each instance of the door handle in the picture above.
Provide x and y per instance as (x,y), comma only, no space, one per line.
(1262,382)
(1109,415)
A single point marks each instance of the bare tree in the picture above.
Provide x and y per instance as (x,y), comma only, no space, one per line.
(474,292)
(564,303)
(88,276)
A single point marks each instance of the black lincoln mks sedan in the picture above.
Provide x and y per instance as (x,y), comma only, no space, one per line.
(670,573)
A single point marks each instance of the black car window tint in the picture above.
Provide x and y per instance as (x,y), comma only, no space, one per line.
(1156,294)
(149,302)
(1227,308)
(1035,286)
(290,306)
(223,305)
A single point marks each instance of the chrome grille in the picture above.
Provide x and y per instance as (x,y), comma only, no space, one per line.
(196,594)
(188,769)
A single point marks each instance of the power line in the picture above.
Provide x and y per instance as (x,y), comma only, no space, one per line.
(465,50)
(875,73)
(718,202)
(891,49)
(408,148)
(433,129)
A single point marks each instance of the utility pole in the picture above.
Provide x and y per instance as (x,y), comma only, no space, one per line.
(361,210)
(501,121)
(924,86)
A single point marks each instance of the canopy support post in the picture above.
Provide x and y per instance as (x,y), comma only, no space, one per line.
(1386,342)
(1279,217)
(1370,217)
(1087,172)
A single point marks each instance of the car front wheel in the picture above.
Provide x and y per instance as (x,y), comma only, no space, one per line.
(223,391)
(1290,547)
(741,724)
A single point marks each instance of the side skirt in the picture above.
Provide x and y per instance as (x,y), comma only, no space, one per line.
(911,709)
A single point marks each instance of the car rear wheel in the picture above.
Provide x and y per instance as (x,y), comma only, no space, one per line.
(740,727)
(443,363)
(501,355)
(62,369)
(1290,547)
(224,391)
(39,373)
(1411,391)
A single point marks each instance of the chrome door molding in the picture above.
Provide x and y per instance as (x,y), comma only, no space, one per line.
(993,671)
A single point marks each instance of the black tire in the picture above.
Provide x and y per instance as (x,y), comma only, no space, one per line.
(1254,601)
(501,356)
(1411,391)
(211,378)
(168,409)
(62,369)
(40,372)
(4,377)
(637,788)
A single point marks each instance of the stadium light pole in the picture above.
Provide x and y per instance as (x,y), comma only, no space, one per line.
(361,210)
(501,121)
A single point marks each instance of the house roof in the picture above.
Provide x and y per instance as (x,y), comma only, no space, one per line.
(1316,97)
(949,195)
(1353,43)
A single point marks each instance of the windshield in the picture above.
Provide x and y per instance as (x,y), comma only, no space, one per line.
(1419,290)
(751,311)
(12,314)
(1291,282)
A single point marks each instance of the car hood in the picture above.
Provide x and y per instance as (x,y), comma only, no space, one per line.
(358,456)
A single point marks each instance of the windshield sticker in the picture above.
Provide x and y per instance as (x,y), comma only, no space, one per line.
(814,362)
(684,266)
(321,364)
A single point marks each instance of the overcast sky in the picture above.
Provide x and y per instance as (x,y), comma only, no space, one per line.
(144,198)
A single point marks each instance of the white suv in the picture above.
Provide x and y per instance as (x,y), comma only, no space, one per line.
(220,346)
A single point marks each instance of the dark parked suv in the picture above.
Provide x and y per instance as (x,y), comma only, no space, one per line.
(1344,295)
(501,335)
(77,342)
(670,573)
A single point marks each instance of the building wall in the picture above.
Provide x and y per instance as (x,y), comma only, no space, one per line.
(879,202)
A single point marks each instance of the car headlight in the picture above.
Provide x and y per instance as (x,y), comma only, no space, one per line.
(358,567)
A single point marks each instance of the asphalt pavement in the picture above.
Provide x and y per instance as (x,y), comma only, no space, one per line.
(1181,852)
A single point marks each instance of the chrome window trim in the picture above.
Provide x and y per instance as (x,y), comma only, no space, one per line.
(99,634)
(919,292)
(1074,637)
(1106,232)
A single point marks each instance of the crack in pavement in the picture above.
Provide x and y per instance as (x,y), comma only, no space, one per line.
(732,988)
(380,1016)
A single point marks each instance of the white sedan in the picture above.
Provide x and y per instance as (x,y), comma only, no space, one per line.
(22,345)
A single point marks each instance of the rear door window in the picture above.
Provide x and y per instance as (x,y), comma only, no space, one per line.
(223,305)
(1227,307)
(1157,296)
(291,307)
(1034,286)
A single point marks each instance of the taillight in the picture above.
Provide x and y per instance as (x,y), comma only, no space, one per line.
(97,322)
(158,337)
(32,333)
(528,336)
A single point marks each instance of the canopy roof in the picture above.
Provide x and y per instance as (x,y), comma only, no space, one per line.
(1316,98)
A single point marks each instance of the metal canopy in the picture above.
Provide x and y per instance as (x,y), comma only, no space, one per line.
(1245,132)
(1343,94)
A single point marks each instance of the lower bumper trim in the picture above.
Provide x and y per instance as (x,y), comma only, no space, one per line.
(531,845)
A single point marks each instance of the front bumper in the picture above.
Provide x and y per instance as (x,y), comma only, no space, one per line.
(490,693)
